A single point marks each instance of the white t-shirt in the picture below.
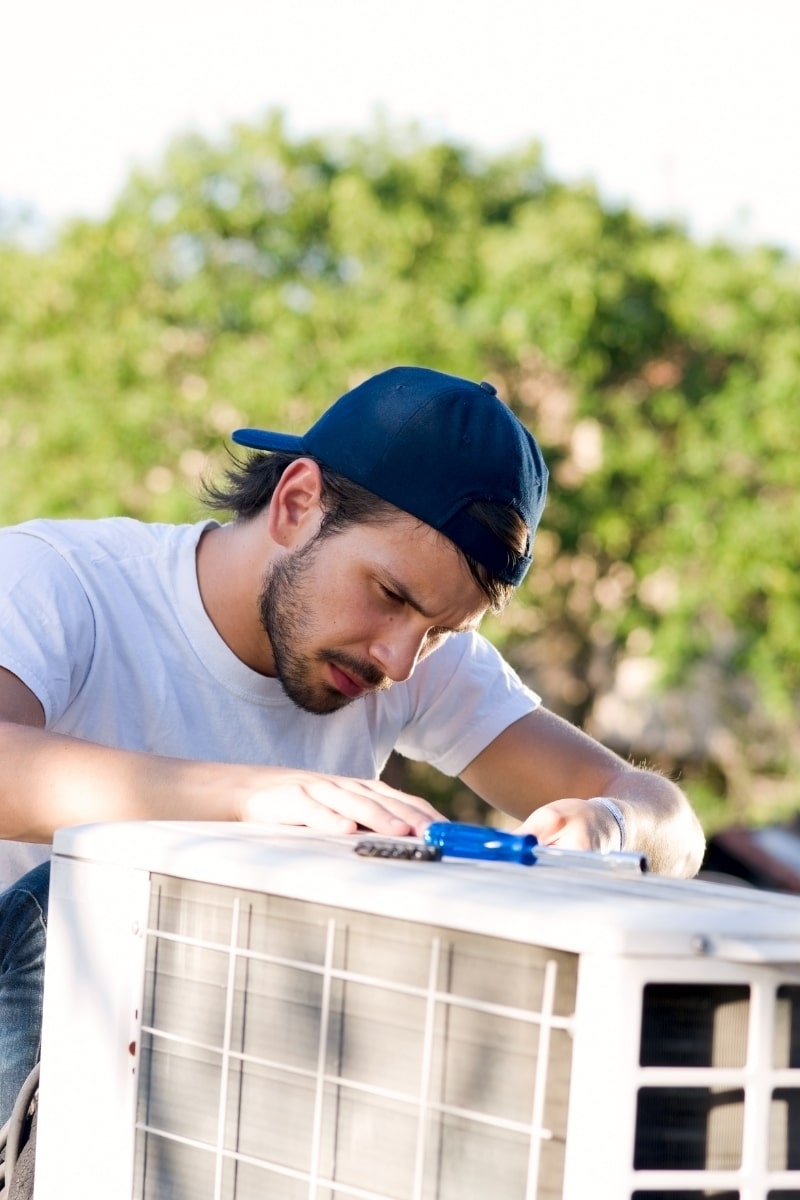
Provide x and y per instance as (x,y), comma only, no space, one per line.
(104,622)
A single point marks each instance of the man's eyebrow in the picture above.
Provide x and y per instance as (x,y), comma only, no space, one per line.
(405,595)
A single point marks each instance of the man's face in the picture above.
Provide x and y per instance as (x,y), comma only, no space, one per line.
(355,611)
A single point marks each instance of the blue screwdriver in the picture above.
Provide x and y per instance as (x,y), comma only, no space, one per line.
(454,839)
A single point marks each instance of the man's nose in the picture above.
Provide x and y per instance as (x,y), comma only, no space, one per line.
(397,652)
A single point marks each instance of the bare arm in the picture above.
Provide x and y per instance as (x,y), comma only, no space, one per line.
(542,770)
(48,780)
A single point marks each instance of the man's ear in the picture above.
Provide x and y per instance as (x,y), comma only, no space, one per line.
(295,510)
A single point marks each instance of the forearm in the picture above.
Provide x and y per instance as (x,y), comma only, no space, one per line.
(48,781)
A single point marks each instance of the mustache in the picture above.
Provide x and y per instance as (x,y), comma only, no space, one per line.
(365,671)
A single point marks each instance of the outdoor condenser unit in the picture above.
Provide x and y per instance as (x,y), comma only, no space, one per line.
(235,1013)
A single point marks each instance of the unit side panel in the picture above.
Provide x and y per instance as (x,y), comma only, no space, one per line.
(686,1081)
(90,1031)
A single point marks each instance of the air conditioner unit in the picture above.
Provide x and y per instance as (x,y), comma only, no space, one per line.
(234,1013)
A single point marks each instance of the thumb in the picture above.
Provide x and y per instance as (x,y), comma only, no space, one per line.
(545,824)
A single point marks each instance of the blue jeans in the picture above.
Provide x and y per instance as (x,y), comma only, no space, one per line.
(23,925)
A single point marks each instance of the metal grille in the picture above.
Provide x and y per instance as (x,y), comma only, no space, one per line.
(299,1051)
(710,1096)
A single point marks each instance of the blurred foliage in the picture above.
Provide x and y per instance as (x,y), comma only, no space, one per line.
(254,278)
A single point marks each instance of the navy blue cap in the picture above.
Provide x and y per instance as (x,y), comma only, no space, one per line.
(430,444)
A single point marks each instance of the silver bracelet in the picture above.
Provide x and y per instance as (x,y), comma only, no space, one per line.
(616,812)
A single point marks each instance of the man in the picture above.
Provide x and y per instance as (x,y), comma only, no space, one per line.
(263,670)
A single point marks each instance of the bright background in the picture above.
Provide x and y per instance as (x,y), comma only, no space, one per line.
(687,108)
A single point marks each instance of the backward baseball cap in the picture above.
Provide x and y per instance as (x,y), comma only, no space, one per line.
(431,444)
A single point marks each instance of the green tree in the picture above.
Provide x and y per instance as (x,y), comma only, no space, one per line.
(252,278)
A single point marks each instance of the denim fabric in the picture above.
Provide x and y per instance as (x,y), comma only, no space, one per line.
(23,924)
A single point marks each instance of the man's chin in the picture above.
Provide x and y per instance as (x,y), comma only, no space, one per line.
(332,702)
(321,703)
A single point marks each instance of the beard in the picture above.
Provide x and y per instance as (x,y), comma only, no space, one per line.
(284,607)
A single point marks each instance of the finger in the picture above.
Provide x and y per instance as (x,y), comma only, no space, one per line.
(381,810)
(416,810)
(371,800)
(293,805)
(332,804)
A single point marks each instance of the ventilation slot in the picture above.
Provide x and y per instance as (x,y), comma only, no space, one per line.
(694,1025)
(686,1129)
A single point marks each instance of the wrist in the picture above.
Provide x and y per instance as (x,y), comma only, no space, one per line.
(614,810)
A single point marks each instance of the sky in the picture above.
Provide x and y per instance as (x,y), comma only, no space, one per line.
(687,109)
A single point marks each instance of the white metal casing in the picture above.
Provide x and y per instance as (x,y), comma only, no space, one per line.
(622,934)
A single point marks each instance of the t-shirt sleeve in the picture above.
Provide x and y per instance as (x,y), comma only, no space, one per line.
(464,696)
(46,621)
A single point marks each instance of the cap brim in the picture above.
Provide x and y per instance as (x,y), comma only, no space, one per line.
(264,439)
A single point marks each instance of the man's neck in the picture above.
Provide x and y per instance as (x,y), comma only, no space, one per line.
(232,561)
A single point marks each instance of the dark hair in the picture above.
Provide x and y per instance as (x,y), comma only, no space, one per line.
(248,485)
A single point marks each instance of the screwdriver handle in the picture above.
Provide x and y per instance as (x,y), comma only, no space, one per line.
(457,840)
